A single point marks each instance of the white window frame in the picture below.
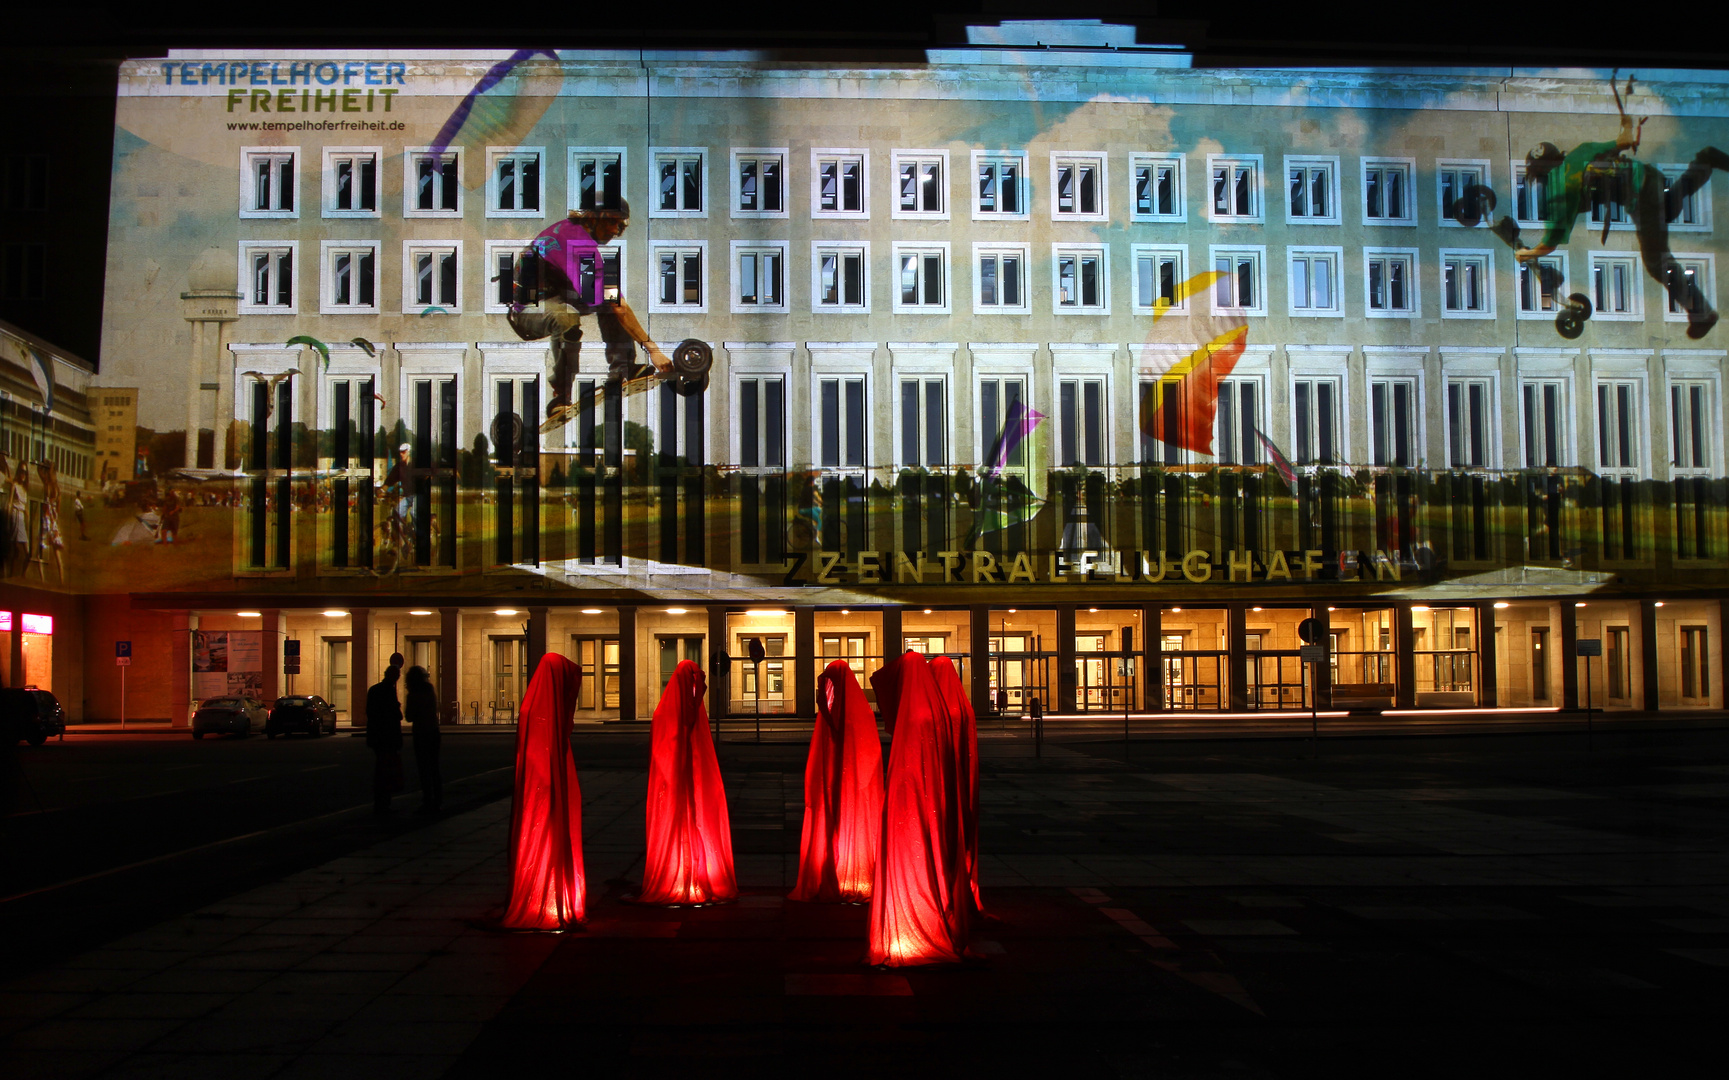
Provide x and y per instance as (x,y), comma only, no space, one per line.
(1413,289)
(1080,373)
(934,247)
(1022,251)
(573,186)
(327,304)
(1390,371)
(1179,176)
(923,369)
(1259,253)
(1023,185)
(1336,259)
(1332,374)
(297,269)
(1409,167)
(1488,180)
(1684,378)
(760,362)
(1079,251)
(1138,252)
(736,183)
(920,157)
(410,156)
(1101,165)
(410,275)
(1566,441)
(740,248)
(1310,162)
(1707,288)
(863,157)
(493,155)
(1639,418)
(1490,381)
(1256,214)
(1701,200)
(1557,258)
(514,247)
(1486,257)
(1000,363)
(818,248)
(328,187)
(683,247)
(247,191)
(656,154)
(1632,264)
(1238,379)
(843,374)
(1517,170)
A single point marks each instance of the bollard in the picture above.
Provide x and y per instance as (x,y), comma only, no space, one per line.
(1038,710)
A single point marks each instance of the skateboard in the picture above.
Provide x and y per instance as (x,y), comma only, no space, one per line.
(1575,309)
(691,361)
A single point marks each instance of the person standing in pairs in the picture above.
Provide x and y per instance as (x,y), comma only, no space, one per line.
(689,859)
(547,887)
(921,895)
(843,794)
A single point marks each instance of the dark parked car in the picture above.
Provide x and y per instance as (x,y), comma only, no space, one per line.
(301,712)
(238,715)
(30,714)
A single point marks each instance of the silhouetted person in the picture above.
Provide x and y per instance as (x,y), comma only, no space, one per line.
(422,713)
(384,738)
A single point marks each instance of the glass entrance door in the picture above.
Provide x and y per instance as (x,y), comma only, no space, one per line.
(598,659)
(1695,672)
(672,649)
(423,652)
(336,673)
(509,675)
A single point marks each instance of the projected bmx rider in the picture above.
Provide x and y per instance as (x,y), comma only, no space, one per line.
(1569,179)
(571,283)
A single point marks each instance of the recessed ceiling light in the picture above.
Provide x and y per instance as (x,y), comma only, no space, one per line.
(421,611)
(1093,610)
(1658,604)
(846,611)
(250,614)
(927,611)
(1254,609)
(1580,604)
(1419,607)
(1501,605)
(1011,611)
(1332,609)
(765,613)
(675,611)
(505,611)
(1176,609)
(591,611)
(336,614)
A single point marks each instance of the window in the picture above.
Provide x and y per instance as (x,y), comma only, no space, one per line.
(1470,423)
(1237,423)
(350,277)
(430,276)
(1081,426)
(1314,281)
(840,277)
(759,276)
(1002,186)
(1529,196)
(352,424)
(1000,285)
(1159,270)
(267,181)
(1078,186)
(1080,279)
(679,276)
(1392,422)
(759,183)
(923,421)
(842,422)
(1690,424)
(680,183)
(1387,192)
(1312,190)
(1543,412)
(921,183)
(514,182)
(1618,425)
(762,422)
(1688,212)
(1615,286)
(1610,196)
(840,183)
(1390,284)
(1454,181)
(506,262)
(351,181)
(1697,271)
(267,273)
(1467,291)
(432,186)
(1540,285)
(760,432)
(24,272)
(1236,188)
(1315,421)
(1002,400)
(1156,188)
(596,177)
(922,272)
(26,182)
(1242,288)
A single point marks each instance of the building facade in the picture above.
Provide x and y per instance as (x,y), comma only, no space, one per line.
(1097,372)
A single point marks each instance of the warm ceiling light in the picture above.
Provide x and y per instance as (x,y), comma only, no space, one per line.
(1176,609)
(422,611)
(1254,609)
(1332,609)
(846,611)
(1011,611)
(505,611)
(766,613)
(250,614)
(927,611)
(1094,610)
(591,611)
(1658,604)
(1419,607)
(675,611)
(1580,604)
(1501,605)
(336,614)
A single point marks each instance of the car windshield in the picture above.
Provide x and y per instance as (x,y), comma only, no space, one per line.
(293,701)
(222,703)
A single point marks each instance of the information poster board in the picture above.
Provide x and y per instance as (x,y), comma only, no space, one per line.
(227,663)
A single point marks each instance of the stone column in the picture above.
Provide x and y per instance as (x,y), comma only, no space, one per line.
(275,626)
(979,629)
(1648,673)
(804,648)
(360,673)
(1065,697)
(1488,678)
(719,674)
(1152,631)
(449,663)
(211,300)
(893,643)
(1237,655)
(1569,655)
(1405,656)
(536,638)
(180,688)
(627,673)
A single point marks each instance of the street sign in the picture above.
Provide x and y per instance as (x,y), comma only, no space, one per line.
(291,656)
(123,648)
(1313,654)
(1590,646)
(122,661)
(1309,631)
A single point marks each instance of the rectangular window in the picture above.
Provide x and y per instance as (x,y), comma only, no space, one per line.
(1615,286)
(1314,280)
(1002,399)
(1238,419)
(762,421)
(1470,431)
(1690,424)
(681,183)
(1156,187)
(353,453)
(759,183)
(1696,273)
(24,272)
(351,277)
(1529,195)
(1078,186)
(1392,422)
(1001,191)
(1311,189)
(1540,285)
(268,276)
(433,186)
(1387,192)
(839,273)
(843,421)
(678,278)
(1617,425)
(596,178)
(1542,409)
(1466,290)
(924,422)
(840,185)
(921,184)
(1159,271)
(1236,188)
(515,182)
(1315,421)
(921,279)
(1390,280)
(1459,190)
(1081,422)
(1239,288)
(267,182)
(1688,211)
(26,182)
(430,277)
(1080,280)
(1611,193)
(759,277)
(350,181)
(1001,280)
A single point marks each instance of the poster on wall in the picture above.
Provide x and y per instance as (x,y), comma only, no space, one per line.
(227,663)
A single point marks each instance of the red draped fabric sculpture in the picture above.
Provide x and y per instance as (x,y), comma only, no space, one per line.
(689,857)
(843,794)
(547,889)
(924,893)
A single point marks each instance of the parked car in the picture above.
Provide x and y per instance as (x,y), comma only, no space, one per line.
(236,715)
(301,712)
(30,714)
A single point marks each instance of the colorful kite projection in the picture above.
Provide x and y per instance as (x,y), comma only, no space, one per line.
(843,794)
(547,888)
(925,891)
(1178,408)
(689,858)
(1280,463)
(318,347)
(502,119)
(364,346)
(1005,498)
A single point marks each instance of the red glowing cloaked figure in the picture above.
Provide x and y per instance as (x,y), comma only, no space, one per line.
(843,794)
(689,857)
(925,892)
(547,888)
